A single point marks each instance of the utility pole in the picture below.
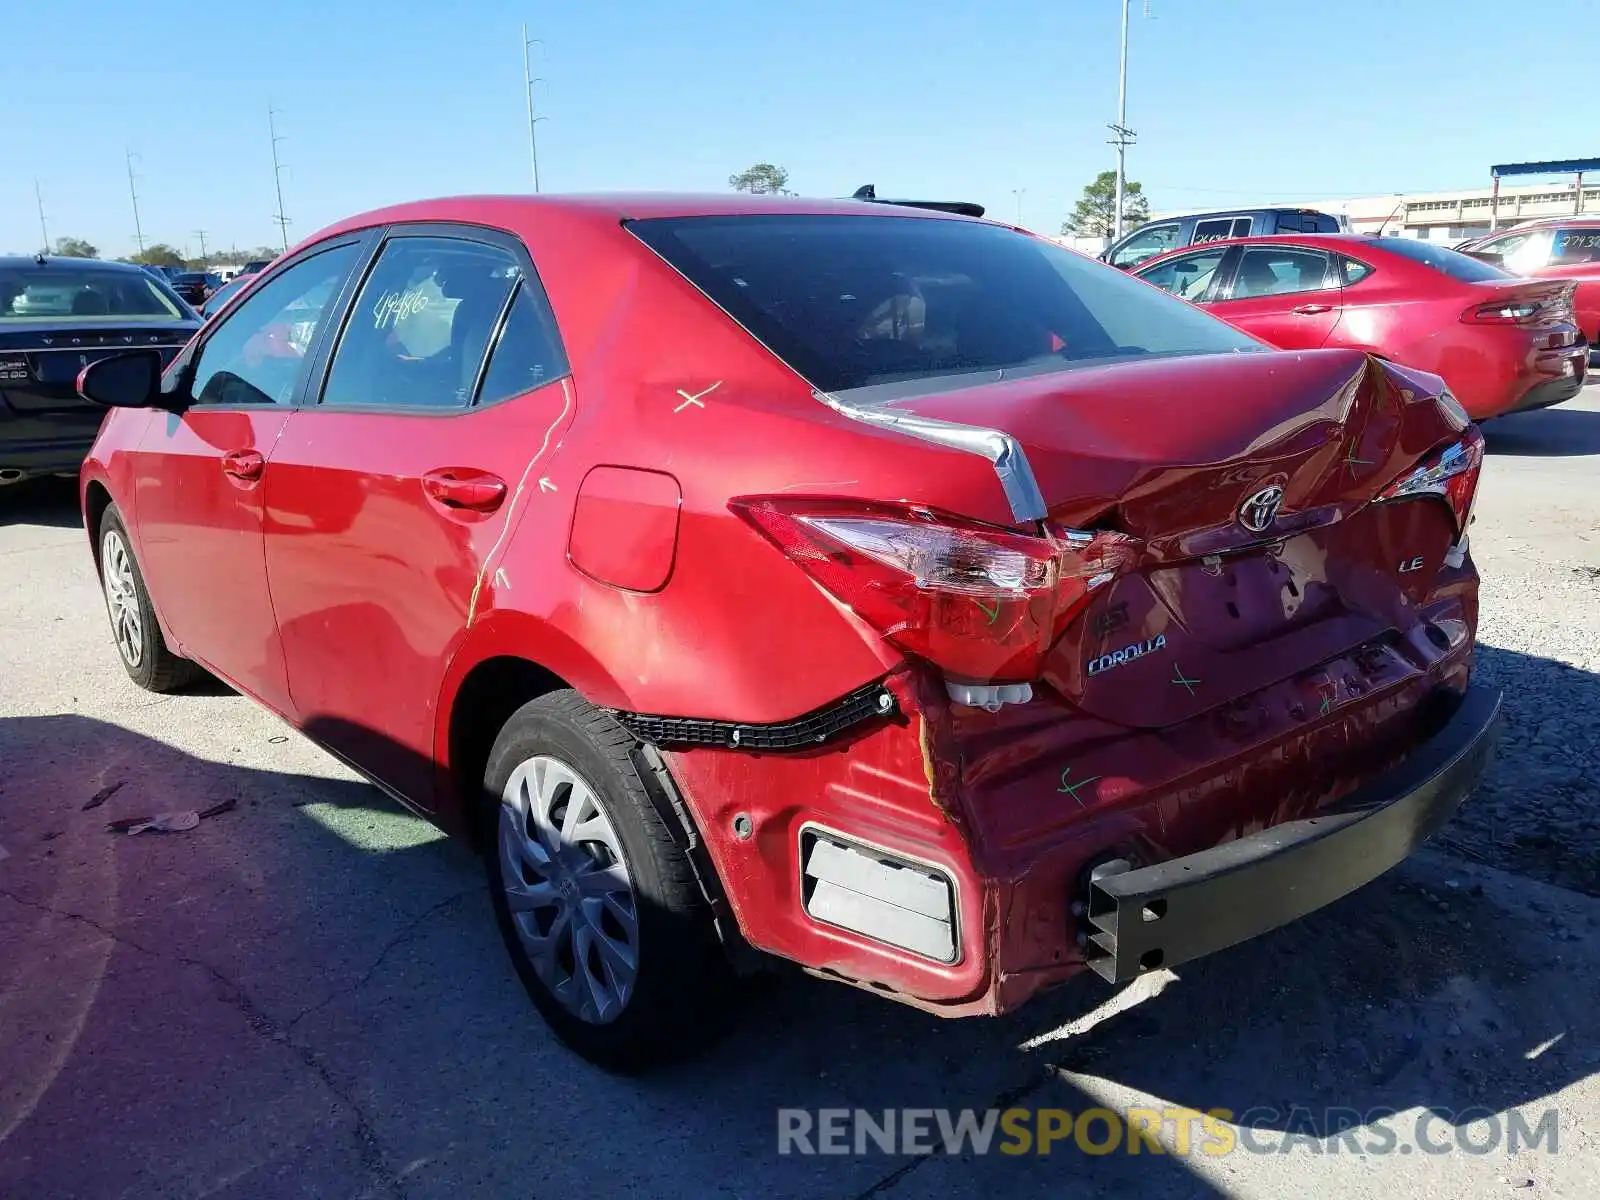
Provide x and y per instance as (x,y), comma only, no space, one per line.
(1017,192)
(201,234)
(277,177)
(527,86)
(1122,135)
(138,230)
(44,231)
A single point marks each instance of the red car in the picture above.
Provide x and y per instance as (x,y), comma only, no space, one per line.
(889,591)
(1502,344)
(1557,248)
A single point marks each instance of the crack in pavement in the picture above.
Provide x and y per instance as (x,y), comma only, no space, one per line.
(228,992)
(1003,1101)
(409,931)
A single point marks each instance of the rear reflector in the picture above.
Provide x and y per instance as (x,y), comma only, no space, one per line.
(904,904)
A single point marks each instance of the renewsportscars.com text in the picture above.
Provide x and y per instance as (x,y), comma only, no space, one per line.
(1167,1130)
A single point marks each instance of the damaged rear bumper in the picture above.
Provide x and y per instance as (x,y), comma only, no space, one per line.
(1174,911)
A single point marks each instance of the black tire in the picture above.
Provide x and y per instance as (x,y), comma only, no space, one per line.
(683,986)
(153,666)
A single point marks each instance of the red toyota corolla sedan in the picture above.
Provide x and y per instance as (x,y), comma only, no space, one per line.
(1559,248)
(885,590)
(1502,344)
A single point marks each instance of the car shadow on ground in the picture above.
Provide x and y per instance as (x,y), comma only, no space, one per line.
(352,949)
(50,502)
(1544,433)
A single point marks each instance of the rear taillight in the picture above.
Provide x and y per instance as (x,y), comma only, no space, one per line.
(1452,475)
(1546,308)
(981,603)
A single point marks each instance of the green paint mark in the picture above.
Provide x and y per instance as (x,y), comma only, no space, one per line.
(994,614)
(1327,703)
(1180,678)
(1071,789)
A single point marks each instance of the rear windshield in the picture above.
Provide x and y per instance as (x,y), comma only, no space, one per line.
(58,290)
(1453,263)
(852,301)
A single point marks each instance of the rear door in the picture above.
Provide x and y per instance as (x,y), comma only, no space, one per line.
(388,496)
(1288,296)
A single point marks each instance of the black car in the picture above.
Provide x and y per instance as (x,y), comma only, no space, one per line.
(222,295)
(254,267)
(196,286)
(1172,233)
(57,315)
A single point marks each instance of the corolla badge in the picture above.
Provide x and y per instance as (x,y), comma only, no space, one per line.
(1127,654)
(1260,509)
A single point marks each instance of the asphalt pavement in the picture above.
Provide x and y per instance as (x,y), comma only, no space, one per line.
(305,995)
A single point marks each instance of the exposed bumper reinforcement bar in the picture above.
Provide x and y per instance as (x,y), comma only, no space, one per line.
(1169,913)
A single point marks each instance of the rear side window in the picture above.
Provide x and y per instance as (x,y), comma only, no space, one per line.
(1579,245)
(418,332)
(1352,271)
(1450,262)
(851,301)
(1216,231)
(527,354)
(1276,270)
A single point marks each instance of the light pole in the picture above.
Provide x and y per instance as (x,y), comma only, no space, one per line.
(133,193)
(1017,192)
(277,177)
(527,86)
(1124,135)
(44,230)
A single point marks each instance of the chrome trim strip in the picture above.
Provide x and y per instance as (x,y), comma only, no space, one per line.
(1000,448)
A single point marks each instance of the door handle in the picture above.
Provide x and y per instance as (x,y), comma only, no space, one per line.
(244,464)
(1307,310)
(476,491)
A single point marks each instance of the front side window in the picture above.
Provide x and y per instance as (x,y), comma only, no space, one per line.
(853,301)
(1576,245)
(56,289)
(1147,243)
(419,328)
(1187,275)
(258,351)
(1278,270)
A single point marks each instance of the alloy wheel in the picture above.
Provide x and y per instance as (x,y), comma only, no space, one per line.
(122,597)
(568,889)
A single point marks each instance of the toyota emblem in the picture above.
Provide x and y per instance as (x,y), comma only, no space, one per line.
(1260,510)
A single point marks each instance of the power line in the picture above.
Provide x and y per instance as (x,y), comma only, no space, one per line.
(277,177)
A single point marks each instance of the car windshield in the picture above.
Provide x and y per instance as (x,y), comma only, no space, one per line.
(1452,262)
(60,290)
(852,301)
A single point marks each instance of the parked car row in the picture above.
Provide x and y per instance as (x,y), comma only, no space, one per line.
(868,586)
(1502,343)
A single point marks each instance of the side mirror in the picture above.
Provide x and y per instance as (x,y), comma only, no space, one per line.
(131,380)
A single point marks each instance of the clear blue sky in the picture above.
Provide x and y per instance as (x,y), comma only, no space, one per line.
(1233,100)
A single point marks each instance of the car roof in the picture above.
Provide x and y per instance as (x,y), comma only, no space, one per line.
(614,207)
(1245,210)
(25,260)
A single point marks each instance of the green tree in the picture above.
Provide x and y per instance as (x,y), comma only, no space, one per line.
(159,255)
(70,247)
(1096,214)
(762,179)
